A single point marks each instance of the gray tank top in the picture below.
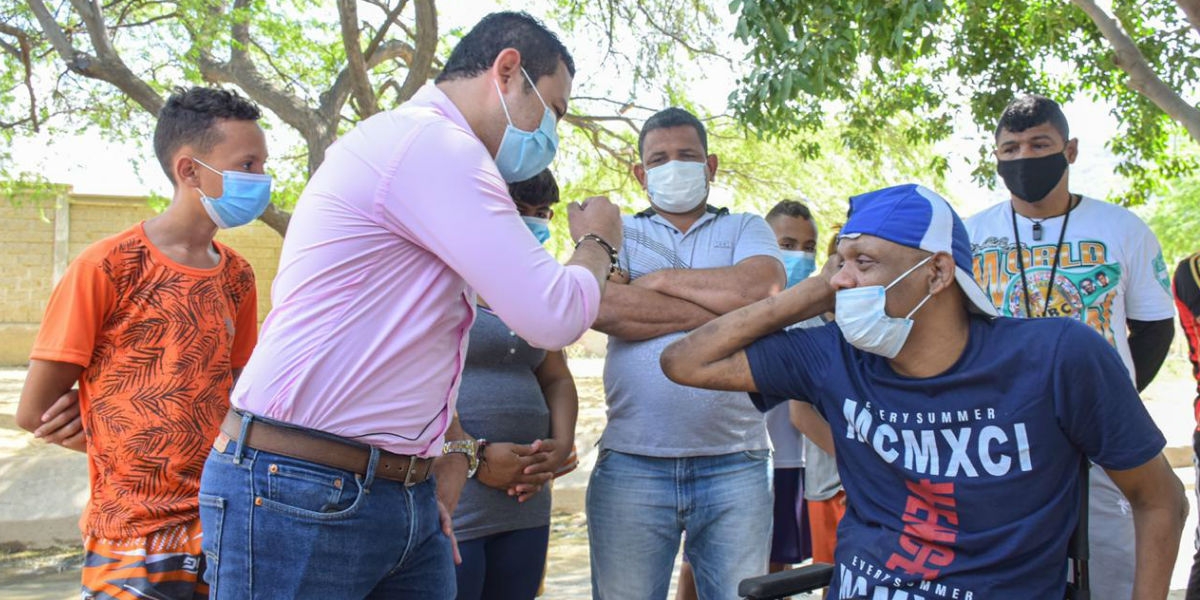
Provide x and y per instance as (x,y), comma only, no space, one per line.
(500,400)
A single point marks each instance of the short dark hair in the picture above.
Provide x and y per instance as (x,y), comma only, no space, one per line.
(673,117)
(475,53)
(790,208)
(537,191)
(189,116)
(1031,111)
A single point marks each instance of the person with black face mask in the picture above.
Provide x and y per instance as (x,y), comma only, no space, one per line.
(1050,252)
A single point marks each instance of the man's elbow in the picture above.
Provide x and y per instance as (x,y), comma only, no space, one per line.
(1179,496)
(553,338)
(676,365)
(1166,497)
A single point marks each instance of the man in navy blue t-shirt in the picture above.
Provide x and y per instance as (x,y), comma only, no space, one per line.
(958,440)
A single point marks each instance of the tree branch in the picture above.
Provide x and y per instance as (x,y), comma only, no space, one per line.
(333,98)
(677,38)
(9,30)
(1191,9)
(391,16)
(360,84)
(419,67)
(276,218)
(22,51)
(107,64)
(1142,78)
(595,131)
(317,131)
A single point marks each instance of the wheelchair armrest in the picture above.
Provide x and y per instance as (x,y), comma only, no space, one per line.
(785,583)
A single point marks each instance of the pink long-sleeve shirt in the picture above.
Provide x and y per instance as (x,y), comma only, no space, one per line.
(404,221)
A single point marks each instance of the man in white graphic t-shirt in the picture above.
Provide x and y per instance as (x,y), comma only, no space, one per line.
(1079,258)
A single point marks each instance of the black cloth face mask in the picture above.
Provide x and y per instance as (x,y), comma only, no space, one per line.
(1031,179)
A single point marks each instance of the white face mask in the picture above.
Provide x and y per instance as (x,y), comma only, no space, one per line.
(677,186)
(864,323)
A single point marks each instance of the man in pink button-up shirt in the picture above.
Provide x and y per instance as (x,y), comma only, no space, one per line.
(405,221)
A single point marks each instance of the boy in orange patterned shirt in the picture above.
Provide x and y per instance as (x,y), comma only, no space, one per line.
(154,324)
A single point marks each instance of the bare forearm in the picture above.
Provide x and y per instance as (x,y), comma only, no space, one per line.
(634,314)
(45,383)
(711,357)
(563,402)
(806,418)
(1157,540)
(720,290)
(1159,511)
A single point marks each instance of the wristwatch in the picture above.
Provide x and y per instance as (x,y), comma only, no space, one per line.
(471,448)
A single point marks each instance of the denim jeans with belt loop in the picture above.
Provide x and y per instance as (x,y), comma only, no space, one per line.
(281,527)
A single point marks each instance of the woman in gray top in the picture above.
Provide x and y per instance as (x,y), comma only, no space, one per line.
(521,403)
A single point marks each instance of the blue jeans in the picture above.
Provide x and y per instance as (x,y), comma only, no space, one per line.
(279,527)
(637,507)
(503,566)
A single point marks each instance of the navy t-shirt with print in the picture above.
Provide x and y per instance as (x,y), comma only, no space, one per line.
(963,485)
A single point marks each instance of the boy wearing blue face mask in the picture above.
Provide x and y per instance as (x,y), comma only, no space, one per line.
(958,442)
(791,538)
(155,324)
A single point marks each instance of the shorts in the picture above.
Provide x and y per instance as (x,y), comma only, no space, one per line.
(790,540)
(168,563)
(823,518)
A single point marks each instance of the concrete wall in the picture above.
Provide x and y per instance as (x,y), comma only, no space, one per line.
(40,236)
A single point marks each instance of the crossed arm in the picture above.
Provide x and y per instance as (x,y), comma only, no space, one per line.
(49,406)
(674,300)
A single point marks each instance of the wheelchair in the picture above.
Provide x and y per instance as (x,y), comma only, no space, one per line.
(776,586)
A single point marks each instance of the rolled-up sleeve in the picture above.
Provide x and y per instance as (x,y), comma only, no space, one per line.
(445,195)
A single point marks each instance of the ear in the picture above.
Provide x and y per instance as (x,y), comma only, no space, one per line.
(550,216)
(184,169)
(942,269)
(1072,150)
(711,161)
(506,69)
(639,173)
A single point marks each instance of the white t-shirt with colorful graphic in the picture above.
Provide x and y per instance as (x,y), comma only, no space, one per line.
(1110,268)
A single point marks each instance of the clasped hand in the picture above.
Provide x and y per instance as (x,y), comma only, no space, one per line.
(520,469)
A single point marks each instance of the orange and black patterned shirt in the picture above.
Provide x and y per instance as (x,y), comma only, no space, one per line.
(1186,286)
(158,342)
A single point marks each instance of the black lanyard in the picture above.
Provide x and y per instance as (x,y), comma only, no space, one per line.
(1053,269)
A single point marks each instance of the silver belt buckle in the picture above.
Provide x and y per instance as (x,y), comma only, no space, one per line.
(412,468)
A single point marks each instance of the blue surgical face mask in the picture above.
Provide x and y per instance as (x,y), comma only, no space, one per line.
(799,265)
(866,325)
(243,198)
(539,227)
(523,154)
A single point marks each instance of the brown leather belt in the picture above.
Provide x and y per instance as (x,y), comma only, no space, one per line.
(345,455)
